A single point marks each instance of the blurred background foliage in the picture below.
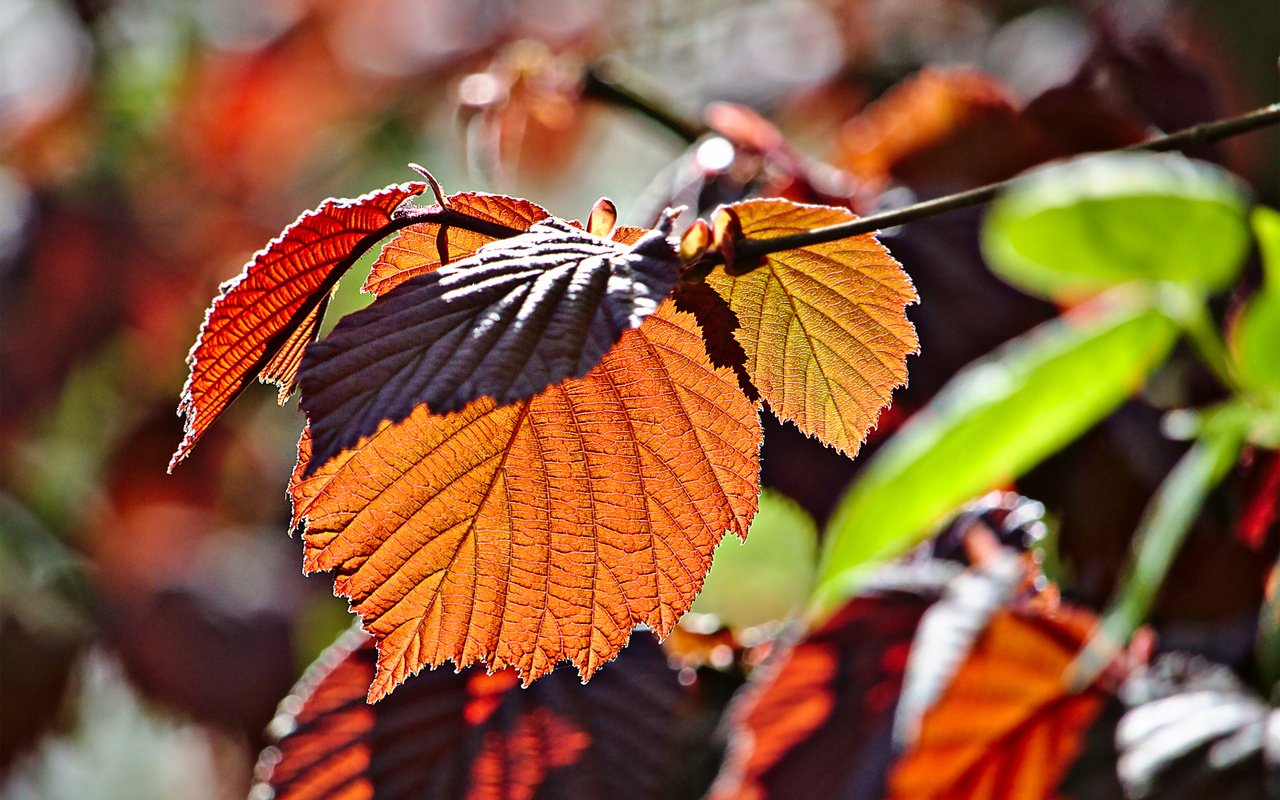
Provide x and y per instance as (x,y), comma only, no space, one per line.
(148,147)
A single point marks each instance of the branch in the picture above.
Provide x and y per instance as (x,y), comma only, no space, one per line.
(609,83)
(1206,133)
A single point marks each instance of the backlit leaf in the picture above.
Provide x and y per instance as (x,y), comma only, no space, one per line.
(474,735)
(416,250)
(1078,227)
(1007,725)
(818,721)
(823,327)
(282,370)
(520,315)
(545,530)
(260,313)
(1257,330)
(995,419)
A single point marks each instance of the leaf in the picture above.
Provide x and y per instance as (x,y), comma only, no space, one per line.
(1254,336)
(520,535)
(767,577)
(1075,228)
(520,315)
(1195,731)
(938,127)
(282,370)
(947,632)
(817,721)
(823,327)
(994,420)
(416,250)
(1006,726)
(267,309)
(477,735)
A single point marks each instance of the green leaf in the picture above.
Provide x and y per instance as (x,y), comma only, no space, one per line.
(1163,527)
(1266,227)
(768,576)
(1075,228)
(994,420)
(1255,338)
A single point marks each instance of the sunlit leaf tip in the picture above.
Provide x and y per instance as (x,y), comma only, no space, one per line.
(261,320)
(520,315)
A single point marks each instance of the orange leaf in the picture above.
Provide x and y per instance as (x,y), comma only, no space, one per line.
(1007,725)
(416,250)
(823,327)
(545,530)
(945,126)
(817,721)
(475,735)
(258,314)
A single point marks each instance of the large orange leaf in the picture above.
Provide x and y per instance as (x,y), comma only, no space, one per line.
(823,327)
(546,530)
(475,735)
(268,307)
(520,315)
(1007,725)
(416,250)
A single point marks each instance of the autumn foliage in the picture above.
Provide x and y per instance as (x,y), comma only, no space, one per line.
(522,450)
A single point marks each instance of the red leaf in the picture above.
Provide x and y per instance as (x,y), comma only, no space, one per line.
(416,250)
(819,722)
(470,734)
(259,313)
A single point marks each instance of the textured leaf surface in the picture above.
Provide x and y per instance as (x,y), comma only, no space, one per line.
(473,735)
(546,530)
(1006,726)
(260,313)
(417,248)
(520,315)
(823,327)
(819,722)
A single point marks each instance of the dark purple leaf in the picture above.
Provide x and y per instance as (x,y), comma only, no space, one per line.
(472,734)
(520,315)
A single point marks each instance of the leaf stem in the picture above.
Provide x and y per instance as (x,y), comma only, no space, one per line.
(439,215)
(1205,133)
(1164,526)
(1203,334)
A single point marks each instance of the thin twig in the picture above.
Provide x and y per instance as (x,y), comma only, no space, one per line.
(1206,133)
(604,82)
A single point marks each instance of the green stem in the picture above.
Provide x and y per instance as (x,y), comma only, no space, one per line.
(1203,334)
(1165,524)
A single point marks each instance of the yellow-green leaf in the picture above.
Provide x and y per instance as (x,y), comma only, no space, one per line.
(823,326)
